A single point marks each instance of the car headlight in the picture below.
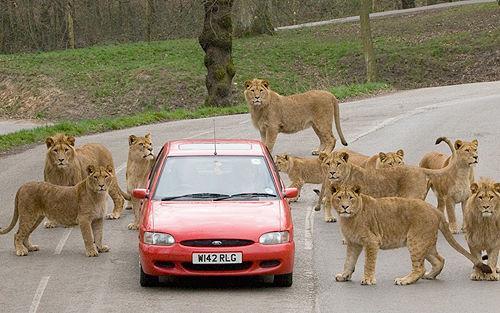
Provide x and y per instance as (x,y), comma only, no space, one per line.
(158,239)
(275,238)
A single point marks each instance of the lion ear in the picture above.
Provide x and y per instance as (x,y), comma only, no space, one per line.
(344,156)
(71,140)
(356,189)
(382,156)
(285,156)
(400,152)
(474,187)
(496,187)
(458,144)
(90,169)
(109,168)
(49,142)
(248,83)
(148,136)
(131,139)
(265,83)
(475,143)
(322,156)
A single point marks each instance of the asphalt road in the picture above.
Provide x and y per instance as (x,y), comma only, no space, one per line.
(60,278)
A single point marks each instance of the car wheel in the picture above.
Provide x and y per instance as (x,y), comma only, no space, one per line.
(148,280)
(284,280)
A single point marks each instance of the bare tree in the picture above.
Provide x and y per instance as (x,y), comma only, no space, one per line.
(150,11)
(70,25)
(216,40)
(252,17)
(366,35)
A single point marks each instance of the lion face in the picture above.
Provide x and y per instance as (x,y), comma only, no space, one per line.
(335,166)
(282,162)
(391,159)
(60,150)
(141,148)
(467,151)
(346,200)
(257,92)
(99,178)
(486,198)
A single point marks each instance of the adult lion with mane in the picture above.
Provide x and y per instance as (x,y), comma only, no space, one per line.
(482,224)
(83,204)
(66,165)
(389,223)
(273,113)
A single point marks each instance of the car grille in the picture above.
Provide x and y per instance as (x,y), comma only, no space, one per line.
(217,267)
(217,243)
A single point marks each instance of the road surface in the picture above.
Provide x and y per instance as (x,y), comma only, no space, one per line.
(60,278)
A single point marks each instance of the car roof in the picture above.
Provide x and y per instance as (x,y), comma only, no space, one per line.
(206,147)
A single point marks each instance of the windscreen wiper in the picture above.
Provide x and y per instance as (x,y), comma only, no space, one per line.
(202,195)
(246,195)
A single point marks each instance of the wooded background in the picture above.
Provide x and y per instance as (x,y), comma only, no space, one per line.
(44,25)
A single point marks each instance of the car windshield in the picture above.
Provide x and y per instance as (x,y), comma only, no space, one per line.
(215,178)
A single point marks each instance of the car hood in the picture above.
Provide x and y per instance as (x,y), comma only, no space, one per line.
(217,219)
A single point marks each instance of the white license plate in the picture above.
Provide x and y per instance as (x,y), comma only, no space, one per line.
(218,258)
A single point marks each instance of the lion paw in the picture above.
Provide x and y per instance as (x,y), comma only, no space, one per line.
(112,216)
(402,281)
(342,277)
(330,219)
(133,226)
(315,152)
(368,281)
(33,248)
(317,207)
(22,251)
(128,208)
(428,276)
(50,224)
(103,248)
(293,199)
(344,242)
(92,252)
(476,275)
(491,277)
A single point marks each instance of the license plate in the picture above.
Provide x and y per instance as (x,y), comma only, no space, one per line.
(218,258)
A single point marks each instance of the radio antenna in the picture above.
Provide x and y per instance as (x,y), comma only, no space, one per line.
(215,143)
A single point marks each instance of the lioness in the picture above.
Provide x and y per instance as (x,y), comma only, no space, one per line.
(66,165)
(272,114)
(453,188)
(390,223)
(482,224)
(83,204)
(385,159)
(139,164)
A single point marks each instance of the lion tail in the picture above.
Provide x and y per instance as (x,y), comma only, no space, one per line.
(448,142)
(13,222)
(438,172)
(445,230)
(124,194)
(336,115)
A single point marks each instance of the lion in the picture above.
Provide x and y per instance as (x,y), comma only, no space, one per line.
(482,224)
(385,159)
(272,114)
(65,165)
(83,204)
(454,187)
(140,162)
(389,223)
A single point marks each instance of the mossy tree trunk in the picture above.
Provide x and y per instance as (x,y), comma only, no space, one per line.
(408,4)
(252,18)
(70,24)
(216,40)
(366,35)
(150,10)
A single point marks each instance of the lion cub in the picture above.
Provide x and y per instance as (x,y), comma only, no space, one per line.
(482,224)
(453,188)
(390,223)
(385,160)
(139,164)
(83,204)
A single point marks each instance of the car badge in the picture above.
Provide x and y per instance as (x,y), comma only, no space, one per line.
(216,243)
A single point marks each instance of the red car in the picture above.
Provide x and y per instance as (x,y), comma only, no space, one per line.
(215,208)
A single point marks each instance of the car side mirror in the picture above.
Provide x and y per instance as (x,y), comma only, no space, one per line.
(140,193)
(291,192)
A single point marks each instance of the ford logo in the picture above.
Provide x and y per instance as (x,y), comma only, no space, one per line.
(216,243)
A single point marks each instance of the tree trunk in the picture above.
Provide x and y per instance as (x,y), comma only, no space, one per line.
(366,35)
(150,9)
(70,24)
(252,18)
(408,4)
(216,40)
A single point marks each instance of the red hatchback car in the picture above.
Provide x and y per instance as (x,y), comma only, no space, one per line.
(215,208)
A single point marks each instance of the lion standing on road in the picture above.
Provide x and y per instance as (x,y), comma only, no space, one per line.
(83,204)
(139,164)
(66,165)
(272,114)
(385,159)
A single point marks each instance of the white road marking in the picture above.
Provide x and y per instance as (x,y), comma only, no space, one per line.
(203,133)
(309,229)
(38,293)
(63,240)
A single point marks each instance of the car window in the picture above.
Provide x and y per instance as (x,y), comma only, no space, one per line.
(223,175)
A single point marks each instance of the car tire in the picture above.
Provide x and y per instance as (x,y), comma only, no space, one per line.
(284,280)
(149,280)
